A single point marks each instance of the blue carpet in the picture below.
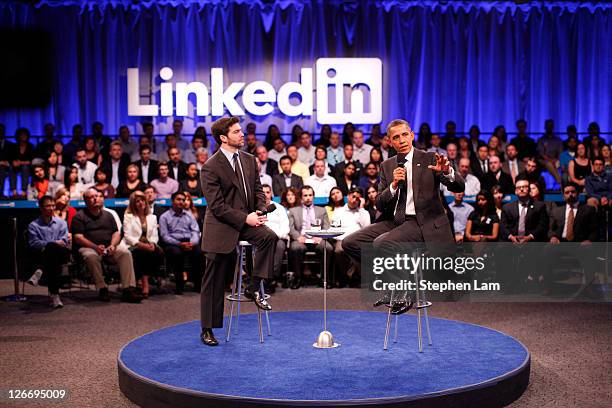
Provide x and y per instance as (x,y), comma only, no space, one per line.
(462,355)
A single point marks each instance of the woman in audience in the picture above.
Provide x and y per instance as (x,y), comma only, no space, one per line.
(483,223)
(498,199)
(376,136)
(290,197)
(21,160)
(326,132)
(580,167)
(40,185)
(191,208)
(55,170)
(336,200)
(370,206)
(321,154)
(607,156)
(495,147)
(424,136)
(296,133)
(347,133)
(192,184)
(73,185)
(376,157)
(201,158)
(271,135)
(91,151)
(58,149)
(102,185)
(536,194)
(131,183)
(347,180)
(464,149)
(201,132)
(500,132)
(141,237)
(63,209)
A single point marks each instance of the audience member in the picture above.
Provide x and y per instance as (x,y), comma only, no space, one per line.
(370,178)
(40,185)
(286,178)
(128,145)
(424,138)
(461,211)
(297,167)
(512,166)
(496,176)
(502,136)
(325,136)
(21,160)
(335,152)
(474,142)
(348,158)
(131,183)
(321,182)
(567,155)
(580,167)
(169,142)
(524,220)
(306,152)
(498,200)
(45,146)
(177,131)
(164,186)
(63,210)
(148,167)
(263,177)
(370,203)
(549,149)
(181,240)
(525,145)
(278,150)
(335,200)
(532,174)
(296,132)
(451,155)
(91,151)
(495,147)
(176,167)
(606,155)
(86,169)
(598,185)
(347,133)
(301,219)
(49,246)
(268,166)
(361,150)
(272,135)
(197,142)
(376,136)
(150,195)
(251,143)
(480,164)
(436,145)
(6,151)
(321,154)
(141,237)
(450,135)
(472,184)
(350,217)
(192,183)
(290,197)
(348,180)
(102,142)
(75,143)
(201,158)
(193,210)
(97,238)
(102,185)
(74,186)
(55,171)
(482,223)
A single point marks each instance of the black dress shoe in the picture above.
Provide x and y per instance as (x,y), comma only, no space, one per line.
(296,283)
(208,337)
(103,295)
(130,295)
(259,300)
(401,306)
(384,300)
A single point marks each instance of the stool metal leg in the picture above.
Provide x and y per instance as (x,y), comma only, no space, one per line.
(396,324)
(426,320)
(417,303)
(261,340)
(263,295)
(387,329)
(239,295)
(231,315)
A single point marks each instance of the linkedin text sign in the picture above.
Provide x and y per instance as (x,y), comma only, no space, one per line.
(260,98)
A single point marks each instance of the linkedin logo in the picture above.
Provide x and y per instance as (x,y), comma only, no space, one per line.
(347,90)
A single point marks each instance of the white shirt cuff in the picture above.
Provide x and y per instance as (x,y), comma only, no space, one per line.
(451,175)
(393,190)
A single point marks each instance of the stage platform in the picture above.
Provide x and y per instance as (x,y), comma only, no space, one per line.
(467,365)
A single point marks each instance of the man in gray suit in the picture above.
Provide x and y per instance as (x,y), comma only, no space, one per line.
(409,201)
(300,220)
(235,199)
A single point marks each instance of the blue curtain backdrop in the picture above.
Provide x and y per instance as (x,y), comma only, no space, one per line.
(471,62)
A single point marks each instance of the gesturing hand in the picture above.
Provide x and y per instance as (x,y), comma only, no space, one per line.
(442,164)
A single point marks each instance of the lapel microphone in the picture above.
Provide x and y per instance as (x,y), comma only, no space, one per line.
(401,161)
(270,208)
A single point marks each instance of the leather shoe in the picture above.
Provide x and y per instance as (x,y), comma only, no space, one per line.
(384,300)
(401,306)
(103,295)
(208,337)
(296,283)
(259,300)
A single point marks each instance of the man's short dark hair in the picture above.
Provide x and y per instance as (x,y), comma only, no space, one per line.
(520,177)
(396,122)
(285,157)
(162,164)
(523,121)
(570,184)
(307,187)
(177,193)
(44,199)
(143,148)
(356,189)
(147,124)
(266,186)
(599,158)
(221,127)
(146,187)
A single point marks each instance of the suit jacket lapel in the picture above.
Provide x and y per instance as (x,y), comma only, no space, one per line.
(225,164)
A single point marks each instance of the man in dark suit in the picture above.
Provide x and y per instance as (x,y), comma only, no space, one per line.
(234,196)
(177,168)
(115,165)
(572,222)
(149,168)
(480,164)
(286,179)
(268,165)
(496,177)
(348,158)
(522,221)
(409,201)
(512,166)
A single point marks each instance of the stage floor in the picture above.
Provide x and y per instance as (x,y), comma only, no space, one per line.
(467,365)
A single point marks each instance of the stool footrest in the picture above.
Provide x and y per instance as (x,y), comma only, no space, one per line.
(242,298)
(422,305)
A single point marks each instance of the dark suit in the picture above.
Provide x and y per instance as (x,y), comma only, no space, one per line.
(506,167)
(152,172)
(585,223)
(278,183)
(297,249)
(504,181)
(339,169)
(430,224)
(107,168)
(477,169)
(271,167)
(225,224)
(536,220)
(182,170)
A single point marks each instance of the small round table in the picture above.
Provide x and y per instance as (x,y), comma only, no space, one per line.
(325,339)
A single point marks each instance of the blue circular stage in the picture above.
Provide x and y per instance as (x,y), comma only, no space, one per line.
(467,365)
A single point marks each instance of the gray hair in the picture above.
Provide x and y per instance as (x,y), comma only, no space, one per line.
(397,122)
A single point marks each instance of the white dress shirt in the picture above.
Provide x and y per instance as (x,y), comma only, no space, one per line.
(265,179)
(86,175)
(144,171)
(115,174)
(472,186)
(321,185)
(278,221)
(568,208)
(352,220)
